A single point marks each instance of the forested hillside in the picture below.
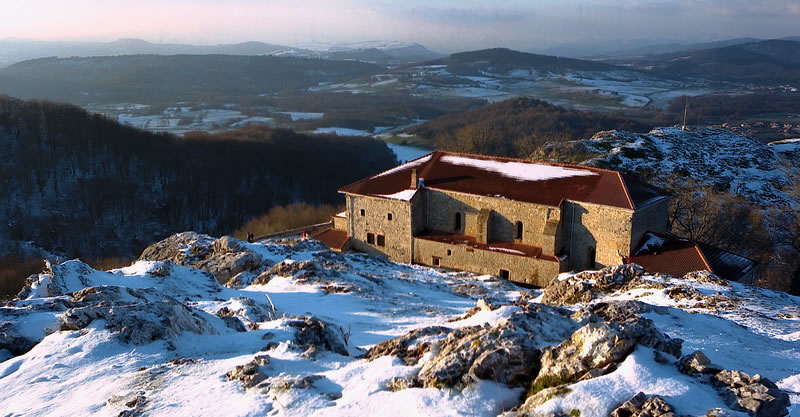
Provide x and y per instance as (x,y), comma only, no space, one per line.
(82,185)
(157,79)
(517,127)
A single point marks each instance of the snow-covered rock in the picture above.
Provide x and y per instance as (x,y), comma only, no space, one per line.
(158,338)
(225,257)
(715,157)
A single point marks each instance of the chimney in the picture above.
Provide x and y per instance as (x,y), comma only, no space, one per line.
(414,179)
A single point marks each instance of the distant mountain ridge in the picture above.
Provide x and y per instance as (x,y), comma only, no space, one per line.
(15,50)
(501,60)
(767,61)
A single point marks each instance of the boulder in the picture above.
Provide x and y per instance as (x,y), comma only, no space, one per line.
(225,257)
(506,352)
(314,335)
(135,316)
(596,348)
(585,286)
(12,340)
(641,405)
(409,347)
(697,363)
(757,396)
(250,373)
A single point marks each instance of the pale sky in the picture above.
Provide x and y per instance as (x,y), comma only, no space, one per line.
(442,25)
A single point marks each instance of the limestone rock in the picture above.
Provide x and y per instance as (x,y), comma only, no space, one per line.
(250,373)
(409,347)
(135,316)
(596,348)
(584,286)
(318,335)
(225,257)
(641,405)
(757,396)
(12,340)
(697,363)
(507,352)
(399,384)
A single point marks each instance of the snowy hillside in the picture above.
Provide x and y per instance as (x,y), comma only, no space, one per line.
(298,330)
(717,157)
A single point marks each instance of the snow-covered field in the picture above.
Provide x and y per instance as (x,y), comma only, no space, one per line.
(113,354)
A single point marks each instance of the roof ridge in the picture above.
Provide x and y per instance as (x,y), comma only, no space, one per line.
(528,161)
(702,256)
(625,189)
(385,171)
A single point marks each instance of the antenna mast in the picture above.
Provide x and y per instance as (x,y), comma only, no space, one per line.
(685,110)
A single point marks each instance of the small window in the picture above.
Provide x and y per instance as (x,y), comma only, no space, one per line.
(389,216)
(363,212)
(436,260)
(504,274)
(519,230)
(457,225)
(381,240)
(449,252)
(371,238)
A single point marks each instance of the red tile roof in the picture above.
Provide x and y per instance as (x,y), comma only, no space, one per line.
(543,183)
(334,238)
(669,254)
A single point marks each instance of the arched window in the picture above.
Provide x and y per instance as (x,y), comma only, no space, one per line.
(519,230)
(458,222)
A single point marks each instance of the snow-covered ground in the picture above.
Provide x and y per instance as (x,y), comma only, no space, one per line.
(93,370)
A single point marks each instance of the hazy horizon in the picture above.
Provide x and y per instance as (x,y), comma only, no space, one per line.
(447,26)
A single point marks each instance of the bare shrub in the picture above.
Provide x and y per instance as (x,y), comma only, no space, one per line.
(13,272)
(282,218)
(111,262)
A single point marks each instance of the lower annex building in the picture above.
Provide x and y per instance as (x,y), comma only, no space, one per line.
(525,221)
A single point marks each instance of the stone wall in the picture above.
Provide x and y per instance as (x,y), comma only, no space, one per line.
(602,230)
(523,269)
(443,205)
(375,220)
(652,218)
(340,222)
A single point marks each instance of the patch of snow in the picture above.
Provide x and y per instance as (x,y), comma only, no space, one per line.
(341,131)
(405,195)
(299,115)
(521,171)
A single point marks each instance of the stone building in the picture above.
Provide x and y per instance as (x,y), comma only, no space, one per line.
(522,220)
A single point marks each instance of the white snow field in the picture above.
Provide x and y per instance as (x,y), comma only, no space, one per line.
(94,370)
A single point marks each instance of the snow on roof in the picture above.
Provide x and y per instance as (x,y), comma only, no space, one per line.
(522,171)
(415,163)
(405,195)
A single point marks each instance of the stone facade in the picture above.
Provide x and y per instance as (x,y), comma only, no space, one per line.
(575,236)
(523,269)
(522,220)
(381,226)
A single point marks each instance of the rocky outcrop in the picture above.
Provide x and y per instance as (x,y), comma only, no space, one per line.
(135,316)
(506,352)
(697,363)
(314,335)
(225,257)
(596,349)
(585,286)
(12,340)
(249,374)
(409,347)
(757,396)
(640,405)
